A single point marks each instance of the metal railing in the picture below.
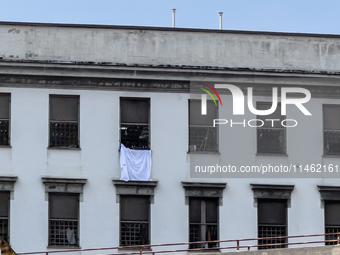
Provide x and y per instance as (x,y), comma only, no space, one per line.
(235,244)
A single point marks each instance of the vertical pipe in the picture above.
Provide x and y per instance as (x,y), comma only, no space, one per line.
(173,17)
(220,13)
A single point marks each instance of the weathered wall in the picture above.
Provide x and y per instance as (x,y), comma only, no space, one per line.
(157,47)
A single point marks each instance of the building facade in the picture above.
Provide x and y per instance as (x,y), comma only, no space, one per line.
(71,94)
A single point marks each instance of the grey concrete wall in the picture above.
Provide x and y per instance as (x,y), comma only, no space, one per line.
(156,47)
(327,250)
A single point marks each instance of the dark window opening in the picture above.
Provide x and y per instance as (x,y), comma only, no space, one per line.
(134,220)
(331,133)
(332,220)
(134,123)
(4,215)
(63,220)
(272,222)
(203,222)
(271,136)
(202,133)
(64,121)
(4,118)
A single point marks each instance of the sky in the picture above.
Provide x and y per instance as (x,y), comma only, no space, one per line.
(305,16)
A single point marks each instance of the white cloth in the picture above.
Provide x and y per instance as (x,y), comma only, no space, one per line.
(70,236)
(135,165)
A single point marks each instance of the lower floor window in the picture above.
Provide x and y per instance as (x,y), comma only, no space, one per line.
(63,219)
(203,221)
(272,222)
(134,220)
(332,220)
(4,215)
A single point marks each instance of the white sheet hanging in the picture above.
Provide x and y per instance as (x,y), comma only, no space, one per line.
(135,165)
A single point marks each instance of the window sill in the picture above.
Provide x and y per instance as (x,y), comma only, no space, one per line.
(272,154)
(63,148)
(331,156)
(204,152)
(62,247)
(5,146)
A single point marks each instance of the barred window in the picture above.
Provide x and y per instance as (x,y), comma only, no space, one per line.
(203,221)
(63,220)
(134,123)
(202,133)
(332,220)
(4,215)
(64,121)
(272,222)
(271,137)
(134,220)
(331,129)
(4,118)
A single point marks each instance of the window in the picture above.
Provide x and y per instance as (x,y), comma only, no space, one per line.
(135,198)
(64,121)
(203,200)
(134,220)
(332,220)
(134,123)
(272,222)
(203,221)
(4,118)
(63,219)
(4,215)
(202,133)
(272,201)
(64,195)
(331,126)
(271,136)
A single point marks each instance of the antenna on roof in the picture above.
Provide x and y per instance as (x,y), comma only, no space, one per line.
(173,17)
(220,13)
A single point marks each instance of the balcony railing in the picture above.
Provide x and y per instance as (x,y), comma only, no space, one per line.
(134,233)
(64,134)
(331,142)
(203,139)
(63,233)
(271,140)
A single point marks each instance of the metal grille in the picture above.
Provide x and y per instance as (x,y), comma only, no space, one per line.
(331,142)
(271,140)
(203,139)
(135,136)
(272,231)
(4,132)
(4,229)
(58,232)
(331,229)
(133,233)
(195,233)
(64,134)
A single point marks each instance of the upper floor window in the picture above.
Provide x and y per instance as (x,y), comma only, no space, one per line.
(332,220)
(271,137)
(331,129)
(4,118)
(134,123)
(64,121)
(202,133)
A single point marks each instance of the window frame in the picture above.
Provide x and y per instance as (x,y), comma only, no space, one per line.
(193,150)
(324,130)
(49,122)
(50,219)
(148,99)
(258,153)
(8,145)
